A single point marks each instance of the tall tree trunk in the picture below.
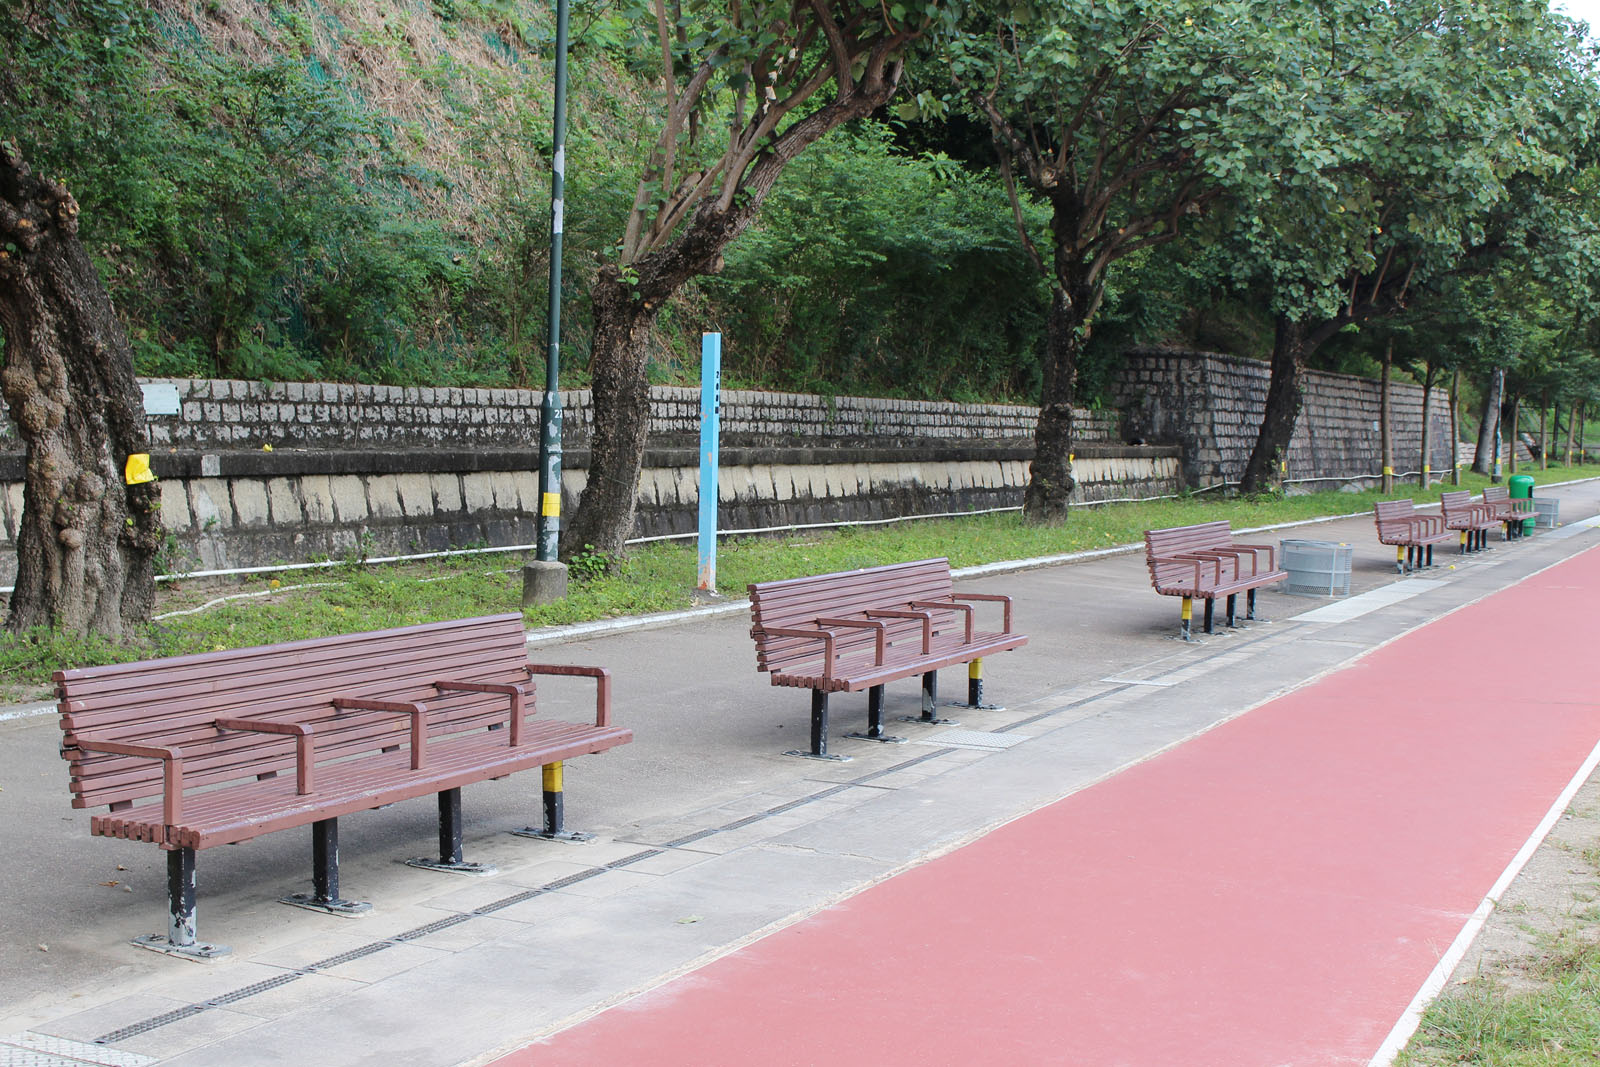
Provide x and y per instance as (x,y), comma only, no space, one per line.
(86,541)
(1514,419)
(1291,346)
(628,297)
(1567,451)
(1424,465)
(1483,461)
(1455,427)
(626,307)
(1544,435)
(1050,481)
(1385,425)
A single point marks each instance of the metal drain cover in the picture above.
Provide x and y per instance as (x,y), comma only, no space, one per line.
(973,739)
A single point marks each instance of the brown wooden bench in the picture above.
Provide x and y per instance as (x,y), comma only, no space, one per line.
(1203,562)
(1412,533)
(854,630)
(1497,501)
(197,751)
(1472,520)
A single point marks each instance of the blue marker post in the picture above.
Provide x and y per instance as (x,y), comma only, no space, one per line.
(710,438)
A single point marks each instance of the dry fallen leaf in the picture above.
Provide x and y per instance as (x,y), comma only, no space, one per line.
(111,883)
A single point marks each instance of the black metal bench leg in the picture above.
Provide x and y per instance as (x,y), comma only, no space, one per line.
(325,875)
(1430,555)
(974,690)
(1211,608)
(1250,606)
(1232,599)
(819,731)
(875,720)
(930,701)
(555,811)
(180,939)
(450,859)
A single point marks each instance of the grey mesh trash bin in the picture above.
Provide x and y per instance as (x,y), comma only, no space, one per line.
(1316,568)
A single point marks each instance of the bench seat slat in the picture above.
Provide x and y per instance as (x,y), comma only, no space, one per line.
(860,672)
(248,810)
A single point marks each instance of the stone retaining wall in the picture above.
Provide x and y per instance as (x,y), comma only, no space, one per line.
(233,415)
(1211,406)
(255,474)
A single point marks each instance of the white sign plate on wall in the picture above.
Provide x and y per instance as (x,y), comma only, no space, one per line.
(160,398)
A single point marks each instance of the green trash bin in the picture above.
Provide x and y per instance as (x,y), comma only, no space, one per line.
(1521,486)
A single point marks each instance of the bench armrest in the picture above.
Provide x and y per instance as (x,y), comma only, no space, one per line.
(1270,550)
(1198,579)
(1429,523)
(602,684)
(824,636)
(996,598)
(1233,552)
(418,714)
(514,706)
(861,624)
(966,609)
(1213,558)
(902,613)
(304,756)
(171,758)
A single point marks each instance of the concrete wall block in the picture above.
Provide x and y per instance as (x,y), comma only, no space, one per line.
(316,499)
(284,502)
(477,493)
(209,504)
(175,514)
(416,494)
(349,498)
(383,497)
(506,493)
(783,482)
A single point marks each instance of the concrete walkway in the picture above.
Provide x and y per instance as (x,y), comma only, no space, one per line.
(709,837)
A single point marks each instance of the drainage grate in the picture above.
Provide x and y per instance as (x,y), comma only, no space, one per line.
(166,1019)
(434,927)
(251,990)
(974,739)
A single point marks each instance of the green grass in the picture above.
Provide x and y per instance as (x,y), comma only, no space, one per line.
(654,577)
(1551,1020)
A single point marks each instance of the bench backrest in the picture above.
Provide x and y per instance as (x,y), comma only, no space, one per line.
(797,603)
(1161,545)
(1391,516)
(175,701)
(1496,494)
(1456,501)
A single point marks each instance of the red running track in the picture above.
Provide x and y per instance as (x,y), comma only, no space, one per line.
(1271,893)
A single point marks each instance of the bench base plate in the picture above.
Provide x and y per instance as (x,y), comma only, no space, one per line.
(881,738)
(829,756)
(477,870)
(571,837)
(928,720)
(200,950)
(331,907)
(973,707)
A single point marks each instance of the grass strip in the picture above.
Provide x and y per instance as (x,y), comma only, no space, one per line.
(651,578)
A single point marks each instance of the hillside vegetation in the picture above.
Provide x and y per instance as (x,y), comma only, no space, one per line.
(359,190)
